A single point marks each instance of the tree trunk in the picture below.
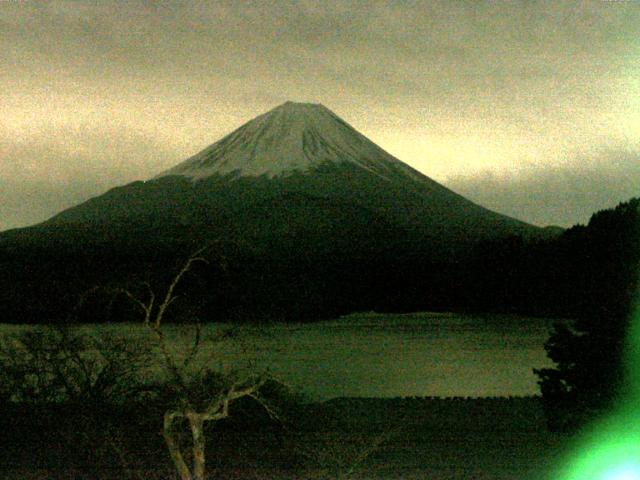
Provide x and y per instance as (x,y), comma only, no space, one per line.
(174,447)
(196,421)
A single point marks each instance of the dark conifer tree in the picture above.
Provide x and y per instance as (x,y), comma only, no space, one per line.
(589,373)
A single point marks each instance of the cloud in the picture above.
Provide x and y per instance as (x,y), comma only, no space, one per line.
(121,90)
(29,202)
(559,195)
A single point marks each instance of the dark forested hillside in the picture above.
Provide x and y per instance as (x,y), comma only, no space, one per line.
(590,373)
(306,270)
(584,272)
(308,217)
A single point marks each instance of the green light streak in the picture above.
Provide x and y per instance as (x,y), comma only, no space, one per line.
(610,449)
(610,452)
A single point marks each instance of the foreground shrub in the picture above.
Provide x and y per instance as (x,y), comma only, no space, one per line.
(64,365)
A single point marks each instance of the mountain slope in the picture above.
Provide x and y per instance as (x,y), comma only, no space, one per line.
(314,219)
(291,137)
(302,148)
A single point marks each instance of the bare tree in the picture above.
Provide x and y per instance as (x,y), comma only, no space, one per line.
(60,364)
(66,366)
(200,397)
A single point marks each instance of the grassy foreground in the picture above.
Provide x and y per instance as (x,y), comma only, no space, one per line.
(401,438)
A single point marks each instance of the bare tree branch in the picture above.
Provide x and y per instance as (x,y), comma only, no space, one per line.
(195,347)
(146,307)
(173,446)
(169,297)
(193,390)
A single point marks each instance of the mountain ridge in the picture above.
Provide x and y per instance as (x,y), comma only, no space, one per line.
(292,136)
(346,223)
(349,167)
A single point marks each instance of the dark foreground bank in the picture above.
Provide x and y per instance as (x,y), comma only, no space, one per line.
(404,438)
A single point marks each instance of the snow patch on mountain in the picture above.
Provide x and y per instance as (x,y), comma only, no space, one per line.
(293,137)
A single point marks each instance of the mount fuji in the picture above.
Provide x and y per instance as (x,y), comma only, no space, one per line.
(299,156)
(291,137)
(301,202)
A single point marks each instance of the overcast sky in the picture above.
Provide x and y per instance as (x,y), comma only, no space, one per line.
(529,108)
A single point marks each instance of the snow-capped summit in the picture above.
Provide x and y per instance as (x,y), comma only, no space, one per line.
(315,219)
(299,159)
(293,137)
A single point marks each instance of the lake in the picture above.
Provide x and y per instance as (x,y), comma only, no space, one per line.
(409,355)
(386,355)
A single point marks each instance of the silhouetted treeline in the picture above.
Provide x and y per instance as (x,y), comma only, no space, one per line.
(589,374)
(585,272)
(579,272)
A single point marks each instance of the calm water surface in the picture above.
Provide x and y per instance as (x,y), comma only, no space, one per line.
(375,355)
(407,355)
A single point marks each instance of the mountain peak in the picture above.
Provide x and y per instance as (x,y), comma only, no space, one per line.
(292,137)
(301,105)
(293,112)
